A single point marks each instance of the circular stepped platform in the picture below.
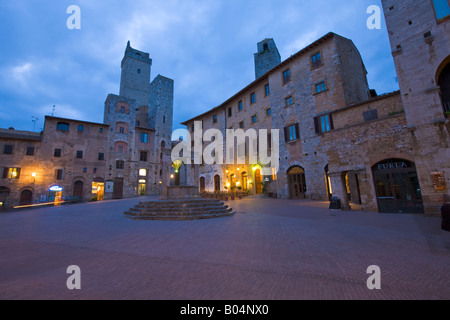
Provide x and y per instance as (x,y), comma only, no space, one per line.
(186,209)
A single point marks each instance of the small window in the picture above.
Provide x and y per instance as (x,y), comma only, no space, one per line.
(253,98)
(240,106)
(286,76)
(292,133)
(80,128)
(59,174)
(230,112)
(100,130)
(267,89)
(324,123)
(101,156)
(265,46)
(254,118)
(120,164)
(8,149)
(143,156)
(320,87)
(241,125)
(122,109)
(192,127)
(269,112)
(441,9)
(30,151)
(144,137)
(121,130)
(138,123)
(84,170)
(316,60)
(370,115)
(164,119)
(57,153)
(289,101)
(62,126)
(139,71)
(215,118)
(79,155)
(94,170)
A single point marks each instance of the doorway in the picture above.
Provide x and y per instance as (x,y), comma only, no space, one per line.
(297,183)
(258,182)
(26,198)
(202,184)
(78,191)
(397,187)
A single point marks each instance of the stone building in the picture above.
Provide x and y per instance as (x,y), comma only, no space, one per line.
(336,136)
(419,33)
(127,155)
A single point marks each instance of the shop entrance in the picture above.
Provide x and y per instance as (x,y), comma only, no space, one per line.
(297,183)
(397,187)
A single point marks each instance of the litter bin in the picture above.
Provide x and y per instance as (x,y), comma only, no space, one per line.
(446,216)
(335,203)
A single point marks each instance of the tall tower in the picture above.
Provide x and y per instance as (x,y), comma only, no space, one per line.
(135,78)
(266,58)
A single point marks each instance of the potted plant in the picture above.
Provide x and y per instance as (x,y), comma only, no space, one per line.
(233,192)
(447,114)
(240,193)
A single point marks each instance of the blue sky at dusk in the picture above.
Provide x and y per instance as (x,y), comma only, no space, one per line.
(205,46)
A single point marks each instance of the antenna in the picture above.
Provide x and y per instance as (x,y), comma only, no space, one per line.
(34,120)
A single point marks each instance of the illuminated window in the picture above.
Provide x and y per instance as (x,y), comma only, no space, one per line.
(120,164)
(142,172)
(11,173)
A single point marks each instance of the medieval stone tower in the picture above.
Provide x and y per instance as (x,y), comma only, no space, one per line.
(266,58)
(140,128)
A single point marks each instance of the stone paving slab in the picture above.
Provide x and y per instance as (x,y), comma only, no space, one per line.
(269,250)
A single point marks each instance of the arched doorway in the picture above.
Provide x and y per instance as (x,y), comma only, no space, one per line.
(4,197)
(202,184)
(78,191)
(26,197)
(258,182)
(297,183)
(397,187)
(444,83)
(244,180)
(217,183)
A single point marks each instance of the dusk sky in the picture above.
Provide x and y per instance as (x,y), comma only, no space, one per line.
(205,46)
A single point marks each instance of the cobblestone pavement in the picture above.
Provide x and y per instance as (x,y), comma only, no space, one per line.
(270,250)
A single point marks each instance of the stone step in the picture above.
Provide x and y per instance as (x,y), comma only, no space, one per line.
(178,213)
(179,202)
(181,218)
(179,208)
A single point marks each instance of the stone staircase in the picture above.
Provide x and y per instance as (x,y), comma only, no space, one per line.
(187,209)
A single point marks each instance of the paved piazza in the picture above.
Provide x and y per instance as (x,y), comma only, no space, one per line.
(270,250)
